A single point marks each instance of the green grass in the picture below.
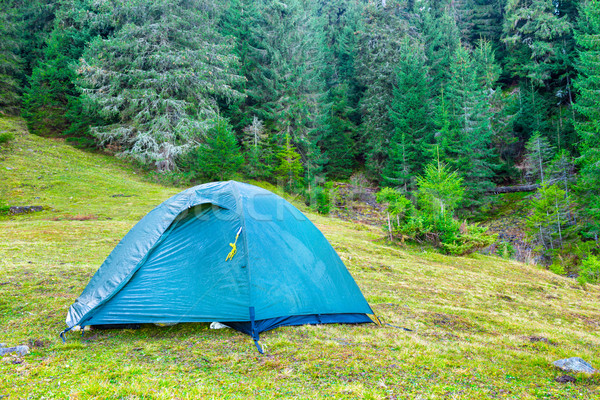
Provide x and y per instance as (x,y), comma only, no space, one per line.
(476,321)
(8,127)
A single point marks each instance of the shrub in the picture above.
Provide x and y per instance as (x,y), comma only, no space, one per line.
(506,250)
(318,198)
(589,271)
(472,239)
(406,222)
(4,209)
(322,200)
(557,267)
(6,137)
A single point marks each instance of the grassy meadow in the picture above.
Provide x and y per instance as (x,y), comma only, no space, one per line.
(481,327)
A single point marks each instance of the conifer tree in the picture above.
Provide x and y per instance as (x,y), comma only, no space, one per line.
(379,48)
(411,117)
(441,38)
(471,118)
(446,136)
(158,79)
(52,83)
(480,19)
(218,156)
(10,62)
(290,167)
(534,111)
(547,222)
(235,22)
(561,172)
(285,83)
(539,153)
(541,27)
(258,154)
(339,22)
(588,106)
(440,190)
(540,55)
(53,103)
(338,134)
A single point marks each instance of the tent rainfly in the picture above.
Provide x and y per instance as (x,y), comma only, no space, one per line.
(227,252)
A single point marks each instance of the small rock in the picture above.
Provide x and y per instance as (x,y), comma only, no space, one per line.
(25,209)
(575,364)
(565,379)
(22,350)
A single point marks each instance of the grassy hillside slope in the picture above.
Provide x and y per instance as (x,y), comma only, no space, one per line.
(481,326)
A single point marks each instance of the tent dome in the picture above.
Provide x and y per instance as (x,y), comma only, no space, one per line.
(177,264)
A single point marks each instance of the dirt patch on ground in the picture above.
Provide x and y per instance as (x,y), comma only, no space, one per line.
(357,203)
(451,322)
(592,322)
(38,343)
(539,339)
(75,218)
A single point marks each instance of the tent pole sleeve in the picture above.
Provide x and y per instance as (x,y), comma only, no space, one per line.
(252,324)
(255,336)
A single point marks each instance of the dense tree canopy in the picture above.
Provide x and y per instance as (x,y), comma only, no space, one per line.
(497,90)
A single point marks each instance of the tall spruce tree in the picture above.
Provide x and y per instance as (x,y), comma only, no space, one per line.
(540,27)
(588,106)
(338,133)
(285,85)
(379,48)
(480,19)
(441,38)
(411,117)
(539,153)
(218,156)
(339,22)
(157,80)
(467,95)
(52,83)
(259,156)
(10,62)
(52,102)
(235,22)
(290,169)
(538,35)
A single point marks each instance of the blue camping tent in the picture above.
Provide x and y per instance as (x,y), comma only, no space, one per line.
(227,252)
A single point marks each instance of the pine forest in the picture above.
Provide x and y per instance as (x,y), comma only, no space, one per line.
(438,104)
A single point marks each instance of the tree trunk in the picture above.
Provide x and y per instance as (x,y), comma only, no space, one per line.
(513,189)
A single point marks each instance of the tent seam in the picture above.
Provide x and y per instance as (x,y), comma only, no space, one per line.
(125,281)
(238,198)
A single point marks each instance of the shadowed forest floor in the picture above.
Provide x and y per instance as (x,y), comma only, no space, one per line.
(481,326)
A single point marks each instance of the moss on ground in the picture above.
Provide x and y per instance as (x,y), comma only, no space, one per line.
(481,326)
